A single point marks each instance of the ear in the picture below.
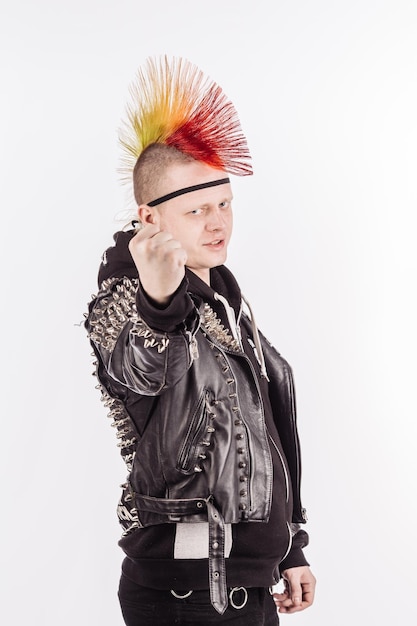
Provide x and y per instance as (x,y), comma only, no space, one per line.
(147,214)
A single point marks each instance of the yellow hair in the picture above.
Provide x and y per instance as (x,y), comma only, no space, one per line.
(173,103)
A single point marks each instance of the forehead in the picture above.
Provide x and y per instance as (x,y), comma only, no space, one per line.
(184,176)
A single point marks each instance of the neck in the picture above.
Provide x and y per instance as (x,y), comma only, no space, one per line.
(204,275)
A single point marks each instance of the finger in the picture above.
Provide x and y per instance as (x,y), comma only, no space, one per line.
(151,237)
(163,248)
(172,250)
(285,604)
(147,231)
(295,591)
(280,597)
(288,606)
(292,608)
(308,594)
(162,237)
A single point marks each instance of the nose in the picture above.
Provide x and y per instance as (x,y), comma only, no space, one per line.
(216,220)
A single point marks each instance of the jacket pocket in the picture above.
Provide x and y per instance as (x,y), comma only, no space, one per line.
(197,438)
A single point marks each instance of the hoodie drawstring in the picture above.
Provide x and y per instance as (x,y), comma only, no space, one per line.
(256,339)
(231,317)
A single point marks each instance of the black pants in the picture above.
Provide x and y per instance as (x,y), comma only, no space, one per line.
(142,606)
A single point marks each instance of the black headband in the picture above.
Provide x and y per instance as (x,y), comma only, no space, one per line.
(174,194)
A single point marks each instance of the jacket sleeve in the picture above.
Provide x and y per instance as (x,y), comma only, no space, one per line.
(146,361)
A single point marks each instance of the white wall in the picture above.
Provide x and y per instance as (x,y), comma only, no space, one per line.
(324,247)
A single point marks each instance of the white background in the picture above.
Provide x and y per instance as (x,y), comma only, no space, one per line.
(324,247)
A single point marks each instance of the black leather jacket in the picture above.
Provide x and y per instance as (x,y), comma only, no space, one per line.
(171,396)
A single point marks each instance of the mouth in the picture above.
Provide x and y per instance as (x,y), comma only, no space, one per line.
(215,243)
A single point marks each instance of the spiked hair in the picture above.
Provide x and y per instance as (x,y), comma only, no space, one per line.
(172,103)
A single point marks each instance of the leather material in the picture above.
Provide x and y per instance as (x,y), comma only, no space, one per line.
(199,453)
(206,420)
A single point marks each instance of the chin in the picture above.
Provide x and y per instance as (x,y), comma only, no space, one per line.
(219,261)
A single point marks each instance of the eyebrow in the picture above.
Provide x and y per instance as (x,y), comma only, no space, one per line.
(180,192)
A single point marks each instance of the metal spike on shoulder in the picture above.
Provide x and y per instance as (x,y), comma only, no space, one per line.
(215,329)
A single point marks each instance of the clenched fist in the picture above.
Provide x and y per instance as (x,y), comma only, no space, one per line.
(160,261)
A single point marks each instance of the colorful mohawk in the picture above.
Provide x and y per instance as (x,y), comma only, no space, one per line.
(174,104)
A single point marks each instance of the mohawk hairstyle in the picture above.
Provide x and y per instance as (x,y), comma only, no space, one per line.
(174,104)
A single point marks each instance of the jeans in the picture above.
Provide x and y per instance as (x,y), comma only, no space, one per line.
(142,606)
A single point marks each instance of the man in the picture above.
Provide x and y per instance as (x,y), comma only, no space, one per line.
(202,404)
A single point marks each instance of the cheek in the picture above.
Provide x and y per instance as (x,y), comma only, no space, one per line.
(230,223)
(184,233)
(163,222)
(169,226)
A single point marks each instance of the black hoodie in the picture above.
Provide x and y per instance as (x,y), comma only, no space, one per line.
(256,548)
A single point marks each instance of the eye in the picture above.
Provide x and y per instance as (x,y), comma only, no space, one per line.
(224,205)
(196,211)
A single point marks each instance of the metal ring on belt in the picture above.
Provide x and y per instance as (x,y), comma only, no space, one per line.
(179,596)
(245,597)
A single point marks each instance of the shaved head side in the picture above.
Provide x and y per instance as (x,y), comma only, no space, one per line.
(151,167)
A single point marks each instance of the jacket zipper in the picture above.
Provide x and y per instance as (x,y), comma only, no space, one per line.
(193,434)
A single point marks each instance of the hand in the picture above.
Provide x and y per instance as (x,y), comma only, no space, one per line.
(299,590)
(160,261)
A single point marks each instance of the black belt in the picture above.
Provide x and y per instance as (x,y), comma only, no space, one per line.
(174,509)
